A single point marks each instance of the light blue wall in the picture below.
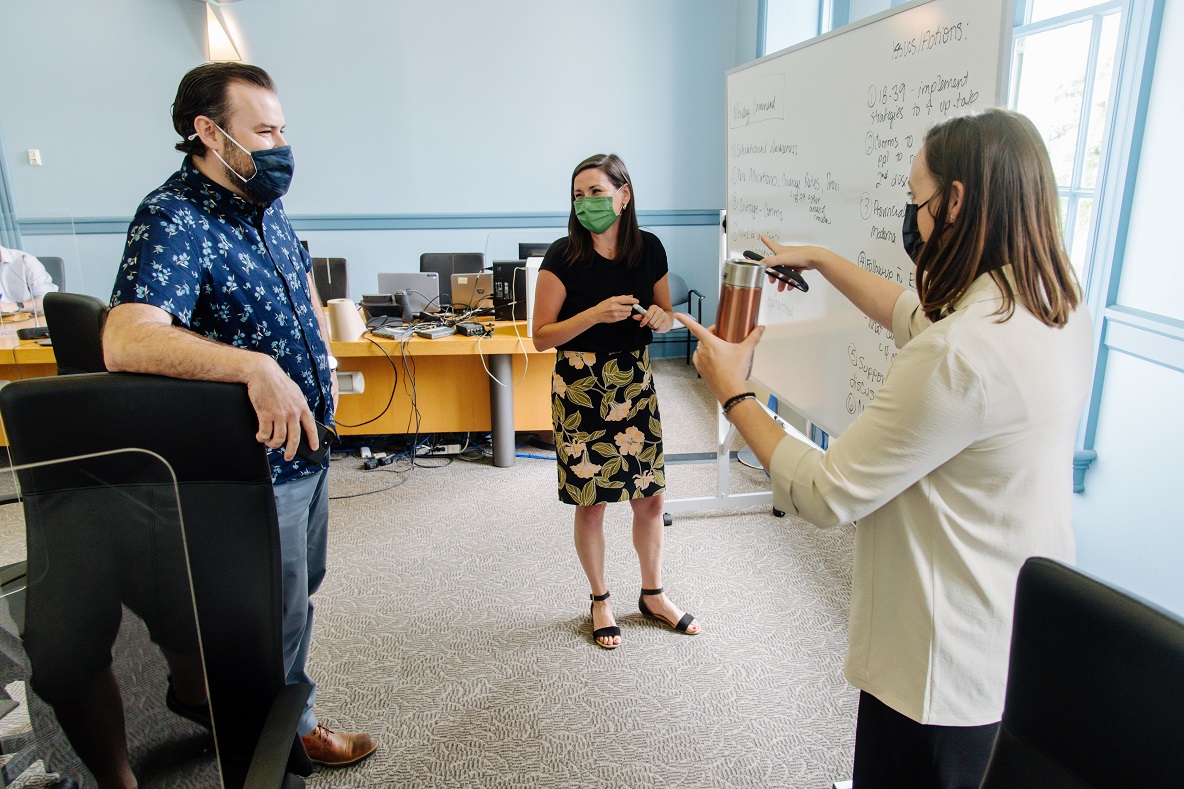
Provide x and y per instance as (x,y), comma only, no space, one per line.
(1129,524)
(394,108)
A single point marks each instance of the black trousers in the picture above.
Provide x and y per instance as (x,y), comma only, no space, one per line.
(892,750)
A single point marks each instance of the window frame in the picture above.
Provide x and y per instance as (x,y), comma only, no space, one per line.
(10,232)
(1073,192)
(1156,338)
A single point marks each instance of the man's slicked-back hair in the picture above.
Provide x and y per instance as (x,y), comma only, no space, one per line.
(203,91)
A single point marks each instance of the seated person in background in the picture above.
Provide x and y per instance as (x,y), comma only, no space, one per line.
(23,281)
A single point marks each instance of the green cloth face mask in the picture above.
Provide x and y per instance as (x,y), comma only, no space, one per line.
(596,213)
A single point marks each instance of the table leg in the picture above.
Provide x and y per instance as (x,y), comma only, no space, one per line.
(501,408)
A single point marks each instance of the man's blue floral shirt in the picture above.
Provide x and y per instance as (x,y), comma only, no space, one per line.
(235,273)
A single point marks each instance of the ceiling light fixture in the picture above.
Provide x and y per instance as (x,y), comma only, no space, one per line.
(220,44)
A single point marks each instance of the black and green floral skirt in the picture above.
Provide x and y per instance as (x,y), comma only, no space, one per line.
(608,432)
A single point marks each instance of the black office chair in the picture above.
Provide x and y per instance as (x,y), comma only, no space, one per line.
(448,263)
(206,432)
(1094,687)
(331,276)
(680,294)
(55,267)
(75,324)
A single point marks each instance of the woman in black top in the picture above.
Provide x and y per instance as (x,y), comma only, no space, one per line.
(601,294)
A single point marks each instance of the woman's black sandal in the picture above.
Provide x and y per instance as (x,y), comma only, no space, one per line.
(683,624)
(603,632)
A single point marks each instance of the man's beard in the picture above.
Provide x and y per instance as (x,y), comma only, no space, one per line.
(238,167)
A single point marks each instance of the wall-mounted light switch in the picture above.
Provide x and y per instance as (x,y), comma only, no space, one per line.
(35,157)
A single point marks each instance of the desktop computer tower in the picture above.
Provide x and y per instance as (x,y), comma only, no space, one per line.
(509,290)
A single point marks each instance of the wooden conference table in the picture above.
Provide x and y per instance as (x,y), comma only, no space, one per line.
(448,384)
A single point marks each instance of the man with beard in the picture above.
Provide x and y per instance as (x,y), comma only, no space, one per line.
(214,285)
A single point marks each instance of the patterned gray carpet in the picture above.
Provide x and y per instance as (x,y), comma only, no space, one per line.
(454,625)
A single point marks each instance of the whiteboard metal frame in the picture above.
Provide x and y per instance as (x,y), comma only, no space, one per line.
(726,431)
(1007,8)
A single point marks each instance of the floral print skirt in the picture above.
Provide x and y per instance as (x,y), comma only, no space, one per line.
(608,432)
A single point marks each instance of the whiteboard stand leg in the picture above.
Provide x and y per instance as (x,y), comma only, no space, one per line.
(723,499)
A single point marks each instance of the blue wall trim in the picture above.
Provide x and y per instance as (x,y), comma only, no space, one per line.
(762,28)
(1153,338)
(66,226)
(58,226)
(1142,21)
(1082,459)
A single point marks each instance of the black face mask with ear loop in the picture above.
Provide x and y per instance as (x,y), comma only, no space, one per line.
(910,234)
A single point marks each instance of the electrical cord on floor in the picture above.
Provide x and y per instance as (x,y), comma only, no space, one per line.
(372,492)
(343,456)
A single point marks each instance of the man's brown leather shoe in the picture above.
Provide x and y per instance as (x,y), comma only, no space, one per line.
(337,749)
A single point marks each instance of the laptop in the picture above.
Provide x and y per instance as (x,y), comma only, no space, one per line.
(423,289)
(472,291)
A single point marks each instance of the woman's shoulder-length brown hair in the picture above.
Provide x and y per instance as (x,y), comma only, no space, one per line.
(1010,216)
(629,240)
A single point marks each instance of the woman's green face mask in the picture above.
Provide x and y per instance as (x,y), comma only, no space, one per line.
(596,214)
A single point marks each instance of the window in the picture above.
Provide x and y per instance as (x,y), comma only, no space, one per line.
(1062,78)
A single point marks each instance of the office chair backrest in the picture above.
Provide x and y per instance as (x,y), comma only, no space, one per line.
(75,323)
(55,267)
(1094,687)
(679,294)
(206,432)
(448,263)
(331,276)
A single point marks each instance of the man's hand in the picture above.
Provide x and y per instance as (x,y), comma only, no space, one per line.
(282,410)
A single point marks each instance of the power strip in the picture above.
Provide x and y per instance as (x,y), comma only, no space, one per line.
(440,449)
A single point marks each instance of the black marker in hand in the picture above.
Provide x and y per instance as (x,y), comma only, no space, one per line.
(781,273)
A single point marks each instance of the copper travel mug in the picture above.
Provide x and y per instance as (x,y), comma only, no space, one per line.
(739,299)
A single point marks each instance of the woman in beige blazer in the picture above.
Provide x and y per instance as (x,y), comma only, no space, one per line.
(961,468)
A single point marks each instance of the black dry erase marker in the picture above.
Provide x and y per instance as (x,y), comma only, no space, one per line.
(781,273)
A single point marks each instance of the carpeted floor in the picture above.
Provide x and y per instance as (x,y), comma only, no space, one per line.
(454,625)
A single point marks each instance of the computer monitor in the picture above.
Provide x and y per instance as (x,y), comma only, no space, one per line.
(448,263)
(533,249)
(331,279)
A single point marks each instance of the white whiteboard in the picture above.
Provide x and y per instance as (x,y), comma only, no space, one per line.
(821,137)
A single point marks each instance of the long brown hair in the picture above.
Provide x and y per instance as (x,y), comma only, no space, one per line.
(629,242)
(1009,216)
